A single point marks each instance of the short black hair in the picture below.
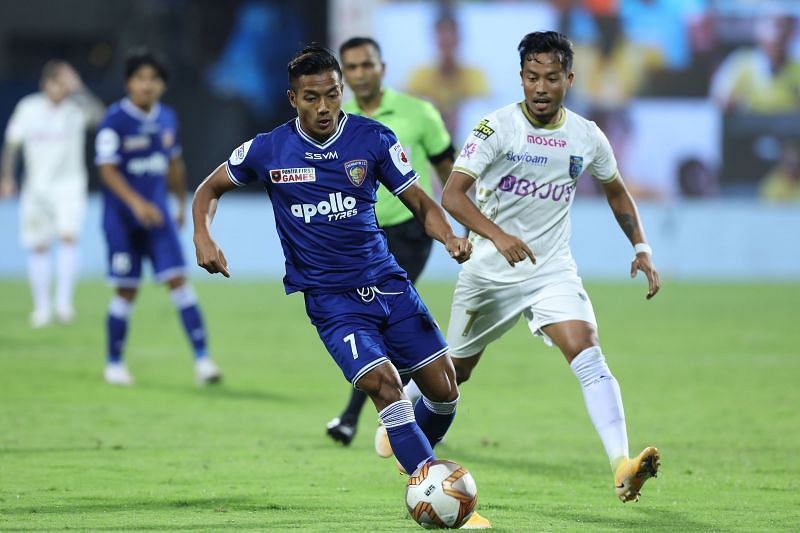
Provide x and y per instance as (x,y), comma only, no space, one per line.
(546,42)
(141,56)
(312,59)
(355,42)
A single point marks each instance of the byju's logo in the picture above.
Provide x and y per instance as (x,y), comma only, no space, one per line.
(337,207)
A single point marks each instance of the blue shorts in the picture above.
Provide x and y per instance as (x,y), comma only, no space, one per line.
(129,243)
(364,328)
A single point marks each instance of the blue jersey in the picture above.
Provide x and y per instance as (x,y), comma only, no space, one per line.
(141,145)
(323,197)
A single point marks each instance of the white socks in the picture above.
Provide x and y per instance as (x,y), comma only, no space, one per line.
(66,271)
(412,392)
(603,401)
(39,275)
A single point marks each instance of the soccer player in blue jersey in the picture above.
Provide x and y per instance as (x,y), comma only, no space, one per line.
(321,171)
(139,158)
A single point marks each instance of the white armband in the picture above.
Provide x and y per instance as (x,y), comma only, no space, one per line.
(642,247)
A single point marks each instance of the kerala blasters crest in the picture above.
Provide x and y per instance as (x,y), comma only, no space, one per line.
(356,171)
(575,166)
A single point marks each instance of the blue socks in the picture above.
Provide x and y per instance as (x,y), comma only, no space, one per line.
(185,301)
(410,445)
(119,309)
(434,418)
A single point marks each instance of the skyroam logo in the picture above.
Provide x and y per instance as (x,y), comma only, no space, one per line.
(337,207)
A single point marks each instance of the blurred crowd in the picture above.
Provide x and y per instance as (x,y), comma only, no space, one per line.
(738,61)
(726,71)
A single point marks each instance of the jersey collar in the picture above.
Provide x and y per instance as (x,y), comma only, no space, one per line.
(137,113)
(538,124)
(386,106)
(331,139)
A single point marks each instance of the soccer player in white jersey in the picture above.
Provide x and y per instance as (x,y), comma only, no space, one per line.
(524,160)
(49,127)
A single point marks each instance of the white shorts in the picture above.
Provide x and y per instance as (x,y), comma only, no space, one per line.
(45,215)
(483,310)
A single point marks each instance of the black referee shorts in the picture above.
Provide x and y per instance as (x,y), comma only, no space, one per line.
(410,245)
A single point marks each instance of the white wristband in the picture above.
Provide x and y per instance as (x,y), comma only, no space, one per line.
(642,247)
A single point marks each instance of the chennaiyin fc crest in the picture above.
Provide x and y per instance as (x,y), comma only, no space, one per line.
(575,166)
(356,171)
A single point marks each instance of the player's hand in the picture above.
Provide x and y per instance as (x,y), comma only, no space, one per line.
(459,248)
(7,188)
(147,213)
(513,249)
(644,262)
(210,256)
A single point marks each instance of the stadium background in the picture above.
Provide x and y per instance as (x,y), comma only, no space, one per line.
(718,346)
(694,167)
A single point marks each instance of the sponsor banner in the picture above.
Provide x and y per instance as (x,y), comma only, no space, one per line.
(482,130)
(541,140)
(292,175)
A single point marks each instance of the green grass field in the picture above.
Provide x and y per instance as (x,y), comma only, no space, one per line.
(709,374)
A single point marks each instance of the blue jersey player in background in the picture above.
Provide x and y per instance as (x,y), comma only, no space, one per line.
(139,158)
(321,171)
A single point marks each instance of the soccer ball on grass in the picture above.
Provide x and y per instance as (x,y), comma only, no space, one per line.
(441,494)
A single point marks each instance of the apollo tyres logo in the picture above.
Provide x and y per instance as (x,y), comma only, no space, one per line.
(337,207)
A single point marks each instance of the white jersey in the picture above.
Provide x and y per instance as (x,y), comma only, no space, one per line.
(53,138)
(525,179)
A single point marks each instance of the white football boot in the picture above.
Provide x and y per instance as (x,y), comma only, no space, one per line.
(206,372)
(117,374)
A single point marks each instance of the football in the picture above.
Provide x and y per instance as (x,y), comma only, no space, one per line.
(441,494)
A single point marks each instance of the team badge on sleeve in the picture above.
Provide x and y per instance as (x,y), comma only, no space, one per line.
(356,171)
(468,150)
(400,159)
(575,166)
(107,143)
(238,155)
(168,138)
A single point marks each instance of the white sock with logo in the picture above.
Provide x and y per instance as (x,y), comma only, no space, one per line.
(603,401)
(66,269)
(39,274)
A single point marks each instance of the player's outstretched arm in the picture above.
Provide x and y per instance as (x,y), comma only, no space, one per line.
(433,219)
(624,208)
(204,205)
(458,204)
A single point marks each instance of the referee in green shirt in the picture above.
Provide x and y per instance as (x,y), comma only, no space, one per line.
(421,131)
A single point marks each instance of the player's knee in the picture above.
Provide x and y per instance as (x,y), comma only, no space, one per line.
(445,389)
(463,367)
(127,293)
(381,385)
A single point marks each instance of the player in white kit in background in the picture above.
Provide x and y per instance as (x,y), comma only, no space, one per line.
(524,160)
(49,127)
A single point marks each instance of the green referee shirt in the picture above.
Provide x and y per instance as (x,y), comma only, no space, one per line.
(420,129)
